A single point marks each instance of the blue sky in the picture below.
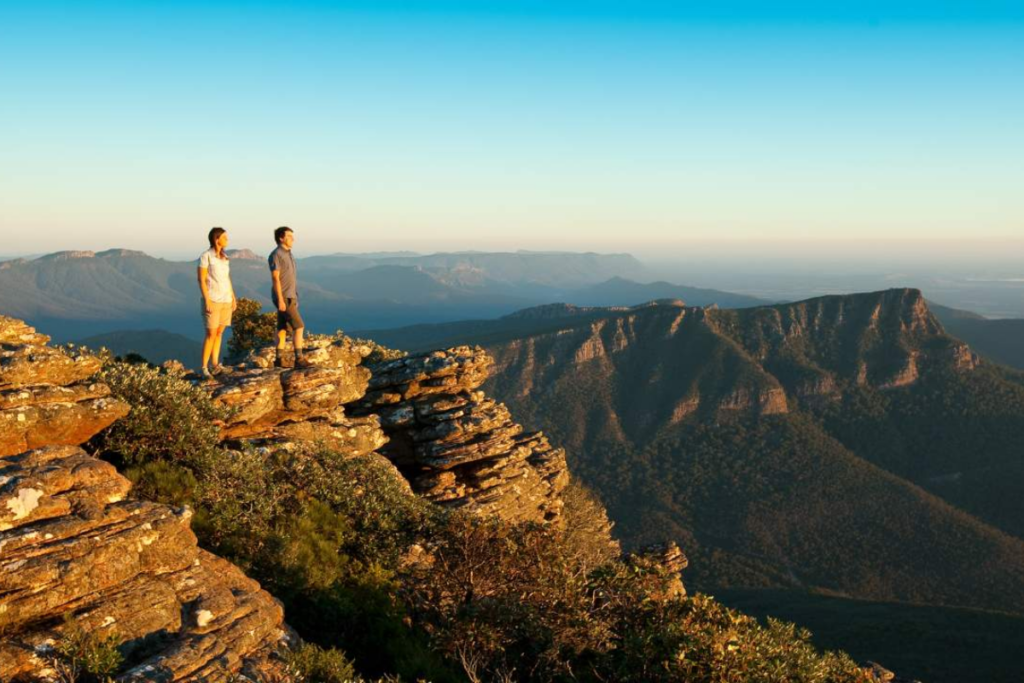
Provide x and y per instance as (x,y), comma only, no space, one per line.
(633,126)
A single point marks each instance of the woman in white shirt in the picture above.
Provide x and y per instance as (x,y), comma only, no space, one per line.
(218,297)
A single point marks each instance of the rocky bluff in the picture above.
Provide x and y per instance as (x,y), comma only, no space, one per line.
(73,545)
(424,413)
(72,542)
(714,362)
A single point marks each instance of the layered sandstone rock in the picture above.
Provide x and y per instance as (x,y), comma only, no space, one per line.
(457,447)
(45,393)
(669,558)
(73,546)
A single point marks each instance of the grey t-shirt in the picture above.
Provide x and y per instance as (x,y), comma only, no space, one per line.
(282,261)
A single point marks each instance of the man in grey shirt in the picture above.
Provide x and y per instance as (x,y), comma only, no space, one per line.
(285,295)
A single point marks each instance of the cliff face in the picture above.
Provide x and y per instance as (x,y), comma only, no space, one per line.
(712,363)
(72,545)
(459,448)
(880,339)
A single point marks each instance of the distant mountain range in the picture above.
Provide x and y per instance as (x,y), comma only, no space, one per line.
(78,294)
(845,444)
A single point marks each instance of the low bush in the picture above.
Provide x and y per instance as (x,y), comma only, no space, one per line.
(170,419)
(317,665)
(508,603)
(79,656)
(586,523)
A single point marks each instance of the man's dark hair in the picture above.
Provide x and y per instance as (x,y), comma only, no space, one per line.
(279,233)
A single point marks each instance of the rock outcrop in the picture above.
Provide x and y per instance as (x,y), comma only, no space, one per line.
(459,448)
(72,546)
(424,413)
(266,400)
(669,558)
(45,394)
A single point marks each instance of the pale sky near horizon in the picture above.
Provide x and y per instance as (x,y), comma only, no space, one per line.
(647,127)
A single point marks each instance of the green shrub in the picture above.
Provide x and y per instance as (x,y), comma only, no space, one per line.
(329,535)
(325,534)
(317,665)
(509,603)
(587,535)
(163,482)
(85,657)
(170,419)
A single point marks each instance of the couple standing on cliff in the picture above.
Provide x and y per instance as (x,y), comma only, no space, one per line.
(219,300)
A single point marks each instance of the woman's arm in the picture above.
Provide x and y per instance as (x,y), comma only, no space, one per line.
(202,273)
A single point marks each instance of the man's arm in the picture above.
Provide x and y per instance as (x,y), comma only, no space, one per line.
(282,305)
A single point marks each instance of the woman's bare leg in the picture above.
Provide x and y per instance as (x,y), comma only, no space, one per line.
(208,344)
(217,334)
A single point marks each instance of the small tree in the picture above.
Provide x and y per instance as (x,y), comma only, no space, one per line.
(250,328)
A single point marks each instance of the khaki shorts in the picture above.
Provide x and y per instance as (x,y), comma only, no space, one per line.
(219,315)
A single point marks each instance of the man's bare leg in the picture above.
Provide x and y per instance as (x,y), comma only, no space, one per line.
(297,339)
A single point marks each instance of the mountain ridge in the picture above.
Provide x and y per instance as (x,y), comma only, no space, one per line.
(736,430)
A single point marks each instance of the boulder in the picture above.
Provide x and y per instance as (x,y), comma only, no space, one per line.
(72,546)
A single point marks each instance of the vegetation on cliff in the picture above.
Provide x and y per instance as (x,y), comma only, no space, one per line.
(404,587)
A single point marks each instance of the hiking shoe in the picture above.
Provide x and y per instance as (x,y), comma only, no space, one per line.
(217,369)
(278,363)
(205,373)
(303,362)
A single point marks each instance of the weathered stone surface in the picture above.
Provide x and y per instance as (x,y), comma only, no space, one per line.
(263,397)
(253,394)
(14,331)
(32,426)
(457,447)
(452,371)
(669,558)
(30,363)
(45,398)
(226,618)
(322,388)
(351,436)
(762,401)
(53,482)
(454,445)
(321,351)
(71,545)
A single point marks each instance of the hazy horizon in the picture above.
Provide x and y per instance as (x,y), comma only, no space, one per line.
(805,254)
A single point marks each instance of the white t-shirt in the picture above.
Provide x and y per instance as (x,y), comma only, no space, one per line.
(218,277)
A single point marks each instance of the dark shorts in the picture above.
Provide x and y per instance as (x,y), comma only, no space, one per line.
(289,319)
